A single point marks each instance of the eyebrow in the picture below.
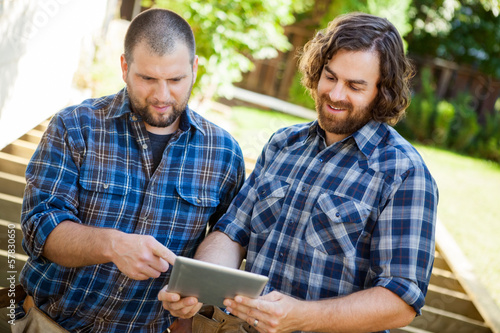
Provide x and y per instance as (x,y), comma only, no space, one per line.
(155,78)
(360,82)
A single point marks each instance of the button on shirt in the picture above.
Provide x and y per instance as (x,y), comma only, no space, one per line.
(94,166)
(328,221)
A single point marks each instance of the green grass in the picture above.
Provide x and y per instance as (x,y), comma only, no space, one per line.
(469,190)
(253,127)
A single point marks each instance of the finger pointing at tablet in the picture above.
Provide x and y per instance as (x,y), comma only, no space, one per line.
(164,253)
(140,257)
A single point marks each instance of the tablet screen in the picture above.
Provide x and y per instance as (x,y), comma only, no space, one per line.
(212,283)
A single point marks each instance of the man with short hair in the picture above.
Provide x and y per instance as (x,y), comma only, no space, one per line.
(339,213)
(120,185)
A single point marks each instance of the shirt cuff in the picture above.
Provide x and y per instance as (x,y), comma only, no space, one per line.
(232,231)
(44,226)
(406,289)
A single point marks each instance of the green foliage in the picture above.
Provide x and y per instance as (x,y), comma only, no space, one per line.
(488,139)
(231,33)
(394,11)
(299,95)
(417,123)
(464,126)
(445,113)
(463,31)
(451,124)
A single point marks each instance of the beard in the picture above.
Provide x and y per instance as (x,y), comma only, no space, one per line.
(150,117)
(346,124)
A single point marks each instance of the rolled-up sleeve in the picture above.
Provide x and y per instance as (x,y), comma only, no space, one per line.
(402,250)
(51,194)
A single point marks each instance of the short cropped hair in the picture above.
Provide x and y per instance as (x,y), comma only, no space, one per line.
(161,30)
(363,32)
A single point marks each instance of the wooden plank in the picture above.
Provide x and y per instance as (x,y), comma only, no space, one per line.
(440,262)
(465,275)
(10,208)
(439,321)
(452,301)
(274,103)
(20,260)
(12,184)
(33,136)
(13,164)
(445,279)
(409,329)
(7,236)
(20,148)
(43,125)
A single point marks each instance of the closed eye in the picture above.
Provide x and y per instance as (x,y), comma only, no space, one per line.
(330,78)
(146,78)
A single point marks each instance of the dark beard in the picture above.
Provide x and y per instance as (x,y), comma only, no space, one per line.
(149,119)
(356,118)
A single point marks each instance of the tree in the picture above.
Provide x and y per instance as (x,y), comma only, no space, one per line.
(394,11)
(463,31)
(231,33)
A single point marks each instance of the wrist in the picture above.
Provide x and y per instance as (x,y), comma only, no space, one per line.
(112,239)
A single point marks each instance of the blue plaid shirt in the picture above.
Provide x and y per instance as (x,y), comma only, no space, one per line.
(328,221)
(94,166)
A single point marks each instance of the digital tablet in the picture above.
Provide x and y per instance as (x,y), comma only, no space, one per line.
(212,283)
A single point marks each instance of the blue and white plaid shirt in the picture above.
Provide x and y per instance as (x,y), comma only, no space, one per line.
(328,221)
(94,166)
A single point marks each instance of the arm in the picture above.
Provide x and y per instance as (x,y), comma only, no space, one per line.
(369,310)
(50,219)
(217,248)
(139,257)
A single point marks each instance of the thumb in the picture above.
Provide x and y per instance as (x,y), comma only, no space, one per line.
(272,296)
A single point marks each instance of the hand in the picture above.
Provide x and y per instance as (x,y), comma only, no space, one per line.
(275,312)
(177,306)
(140,257)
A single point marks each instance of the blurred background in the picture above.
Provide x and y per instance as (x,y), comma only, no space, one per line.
(55,53)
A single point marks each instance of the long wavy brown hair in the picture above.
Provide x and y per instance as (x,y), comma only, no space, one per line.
(363,32)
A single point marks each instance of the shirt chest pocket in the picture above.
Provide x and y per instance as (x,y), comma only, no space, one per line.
(336,225)
(268,207)
(194,207)
(105,182)
(198,197)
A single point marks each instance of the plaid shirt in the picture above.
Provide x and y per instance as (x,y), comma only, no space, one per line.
(94,166)
(328,221)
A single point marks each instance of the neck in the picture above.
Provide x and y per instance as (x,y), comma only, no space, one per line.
(332,138)
(163,130)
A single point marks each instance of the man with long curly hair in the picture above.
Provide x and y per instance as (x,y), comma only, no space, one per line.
(339,213)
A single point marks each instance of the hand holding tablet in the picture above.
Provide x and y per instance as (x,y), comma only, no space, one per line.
(212,283)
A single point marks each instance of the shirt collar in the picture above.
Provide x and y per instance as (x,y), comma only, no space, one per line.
(120,105)
(367,137)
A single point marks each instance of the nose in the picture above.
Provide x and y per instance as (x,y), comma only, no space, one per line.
(337,93)
(162,91)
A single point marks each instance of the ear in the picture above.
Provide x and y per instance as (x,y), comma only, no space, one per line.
(124,66)
(195,67)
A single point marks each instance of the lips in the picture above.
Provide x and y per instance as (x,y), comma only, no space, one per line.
(161,108)
(335,108)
